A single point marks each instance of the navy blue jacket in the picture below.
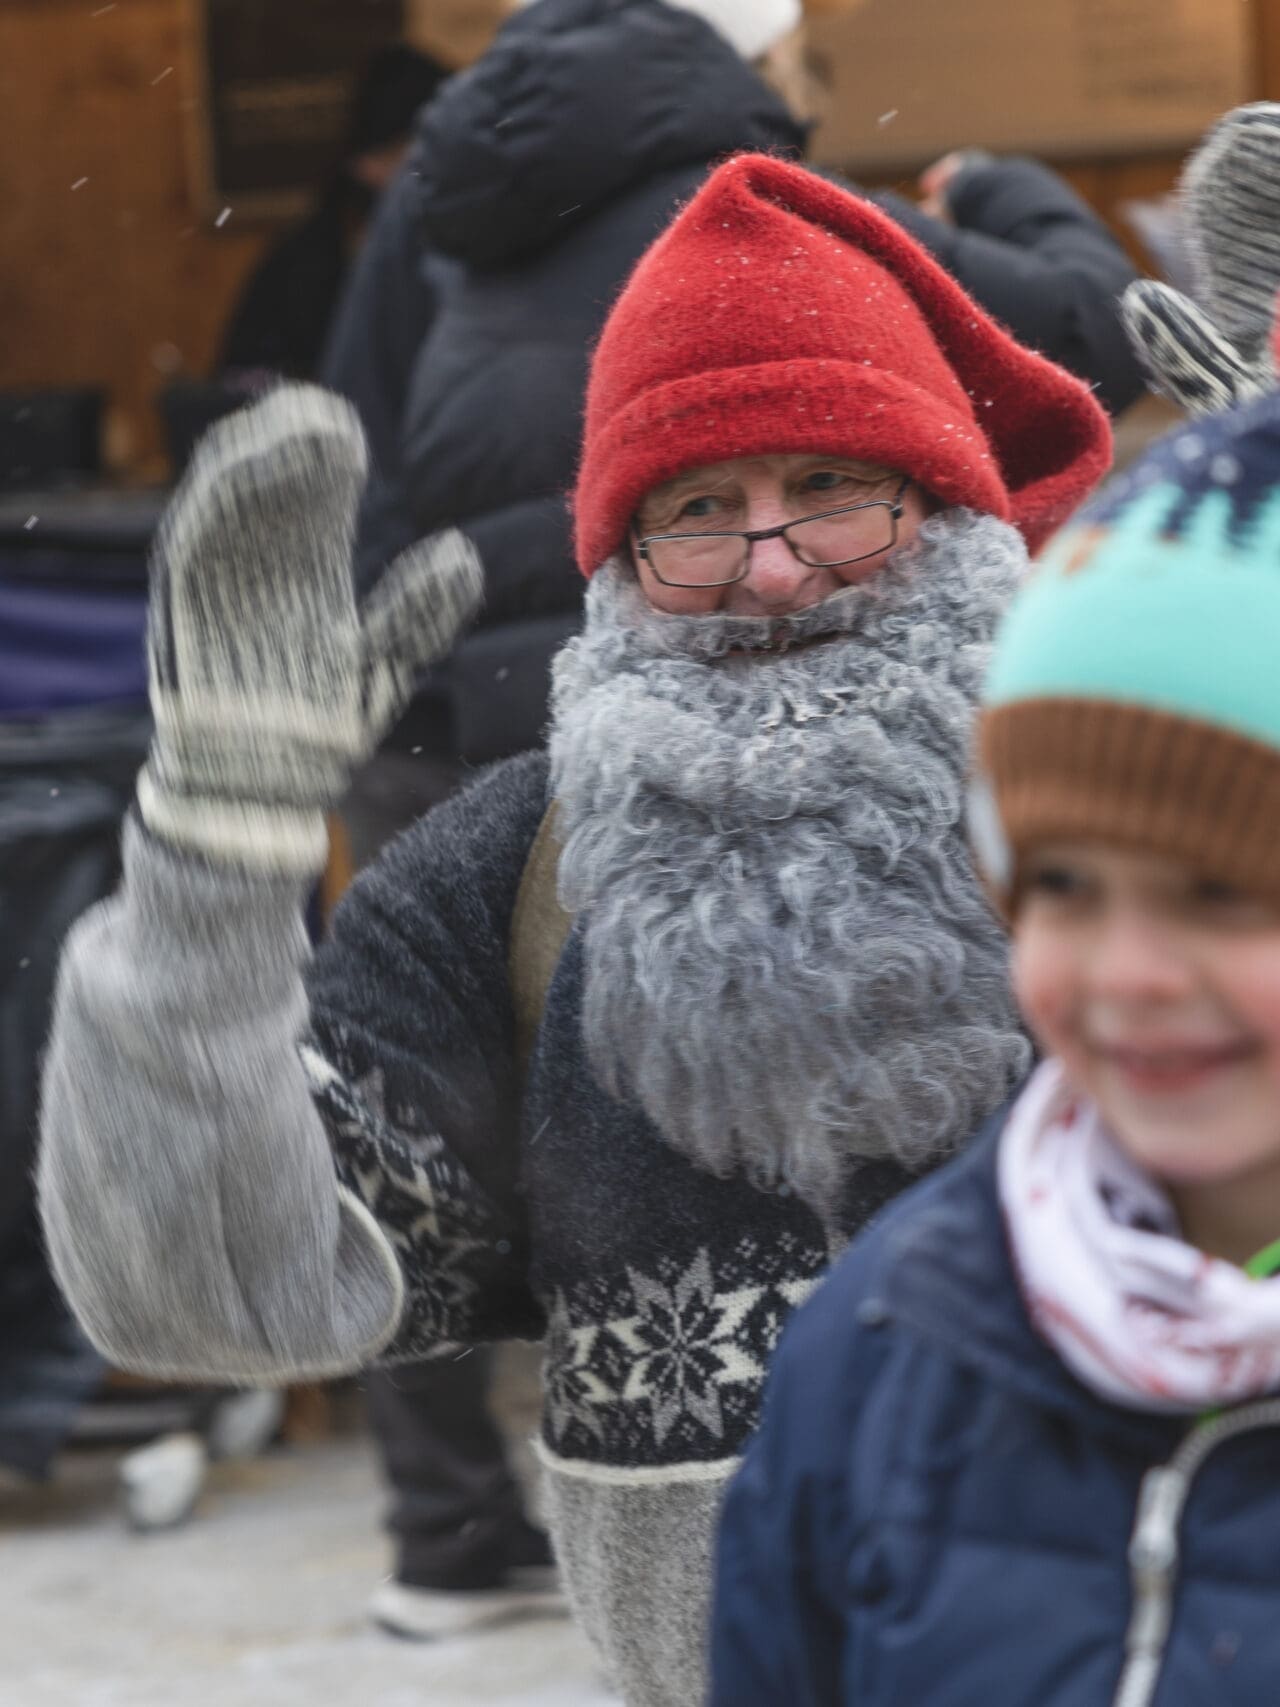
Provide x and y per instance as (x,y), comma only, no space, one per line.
(934,1513)
(537,180)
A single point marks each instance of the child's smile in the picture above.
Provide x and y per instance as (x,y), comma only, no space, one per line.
(1170,1067)
(1159,990)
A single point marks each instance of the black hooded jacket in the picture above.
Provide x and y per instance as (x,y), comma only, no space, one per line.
(537,180)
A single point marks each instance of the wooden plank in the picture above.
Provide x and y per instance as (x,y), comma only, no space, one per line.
(1062,78)
(109,277)
(1266,49)
(276,86)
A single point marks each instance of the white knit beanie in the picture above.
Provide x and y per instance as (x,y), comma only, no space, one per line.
(751,26)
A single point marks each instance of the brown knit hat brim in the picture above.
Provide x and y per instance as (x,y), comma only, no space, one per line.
(1147,781)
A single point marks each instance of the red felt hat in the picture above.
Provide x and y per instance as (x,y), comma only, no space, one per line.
(780,313)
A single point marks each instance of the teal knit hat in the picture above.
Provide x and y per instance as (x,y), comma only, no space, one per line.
(1134,694)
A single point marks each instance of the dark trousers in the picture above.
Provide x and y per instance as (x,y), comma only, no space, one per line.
(455,1505)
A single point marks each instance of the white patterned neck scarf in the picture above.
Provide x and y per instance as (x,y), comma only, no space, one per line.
(1140,1316)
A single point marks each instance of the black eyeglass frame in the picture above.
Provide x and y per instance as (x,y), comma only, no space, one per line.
(894,506)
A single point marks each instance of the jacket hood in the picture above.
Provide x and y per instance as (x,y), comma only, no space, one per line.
(576,102)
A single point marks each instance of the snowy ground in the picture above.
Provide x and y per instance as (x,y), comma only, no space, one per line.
(257,1602)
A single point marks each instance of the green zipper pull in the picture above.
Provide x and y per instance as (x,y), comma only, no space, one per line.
(1260,1266)
(1265,1264)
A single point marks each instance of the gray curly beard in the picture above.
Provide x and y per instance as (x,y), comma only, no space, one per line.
(788,959)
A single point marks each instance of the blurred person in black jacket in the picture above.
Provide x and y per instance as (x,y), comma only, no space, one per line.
(536,180)
(282,319)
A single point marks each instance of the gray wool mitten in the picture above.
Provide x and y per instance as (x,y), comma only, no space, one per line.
(1184,355)
(268,685)
(1215,351)
(1230,194)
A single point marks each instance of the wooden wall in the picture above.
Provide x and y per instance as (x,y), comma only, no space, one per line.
(454,31)
(110,275)
(1107,183)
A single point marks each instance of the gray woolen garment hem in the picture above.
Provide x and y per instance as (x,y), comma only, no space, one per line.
(186,1179)
(636,1554)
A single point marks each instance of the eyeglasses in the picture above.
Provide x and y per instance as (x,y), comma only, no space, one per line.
(831,540)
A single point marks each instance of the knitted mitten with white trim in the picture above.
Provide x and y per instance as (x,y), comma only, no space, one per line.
(1184,355)
(1208,354)
(268,685)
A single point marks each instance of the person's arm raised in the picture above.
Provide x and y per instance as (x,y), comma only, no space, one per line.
(1219,350)
(187,1177)
(1037,257)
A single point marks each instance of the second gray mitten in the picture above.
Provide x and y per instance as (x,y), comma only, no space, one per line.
(1184,355)
(1214,351)
(1230,198)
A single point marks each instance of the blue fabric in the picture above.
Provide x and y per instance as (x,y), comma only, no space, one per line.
(935,1512)
(67,646)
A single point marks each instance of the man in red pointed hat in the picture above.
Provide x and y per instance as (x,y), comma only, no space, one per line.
(617,1047)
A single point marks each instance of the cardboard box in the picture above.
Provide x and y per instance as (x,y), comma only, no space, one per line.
(1060,78)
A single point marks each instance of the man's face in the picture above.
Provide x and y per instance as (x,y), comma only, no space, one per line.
(751,493)
(779,991)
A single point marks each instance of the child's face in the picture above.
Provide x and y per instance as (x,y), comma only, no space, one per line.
(1159,991)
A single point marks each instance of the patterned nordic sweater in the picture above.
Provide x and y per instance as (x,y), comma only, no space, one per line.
(542,1208)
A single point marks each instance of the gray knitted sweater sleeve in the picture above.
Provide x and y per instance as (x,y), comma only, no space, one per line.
(243,1181)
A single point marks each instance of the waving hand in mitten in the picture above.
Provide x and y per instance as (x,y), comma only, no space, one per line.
(268,684)
(1214,351)
(191,1204)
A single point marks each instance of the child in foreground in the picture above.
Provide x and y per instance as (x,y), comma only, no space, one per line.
(1023,1448)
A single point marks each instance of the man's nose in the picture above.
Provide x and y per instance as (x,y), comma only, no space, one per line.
(777,581)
